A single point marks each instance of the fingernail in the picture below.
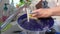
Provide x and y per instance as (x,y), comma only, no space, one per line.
(34,15)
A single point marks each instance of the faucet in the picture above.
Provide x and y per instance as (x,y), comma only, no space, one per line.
(10,18)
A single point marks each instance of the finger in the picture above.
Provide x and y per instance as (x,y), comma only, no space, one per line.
(33,15)
(35,11)
(42,16)
(36,15)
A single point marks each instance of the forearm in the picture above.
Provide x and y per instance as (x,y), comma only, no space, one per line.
(55,11)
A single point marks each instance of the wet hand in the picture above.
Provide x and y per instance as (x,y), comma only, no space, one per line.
(42,13)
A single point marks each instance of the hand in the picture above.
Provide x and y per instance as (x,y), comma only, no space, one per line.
(42,13)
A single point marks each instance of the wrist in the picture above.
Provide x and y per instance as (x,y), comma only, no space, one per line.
(53,11)
(50,11)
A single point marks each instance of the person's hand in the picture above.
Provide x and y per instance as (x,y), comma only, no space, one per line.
(42,13)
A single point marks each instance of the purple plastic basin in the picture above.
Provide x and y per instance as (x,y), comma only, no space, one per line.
(35,25)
